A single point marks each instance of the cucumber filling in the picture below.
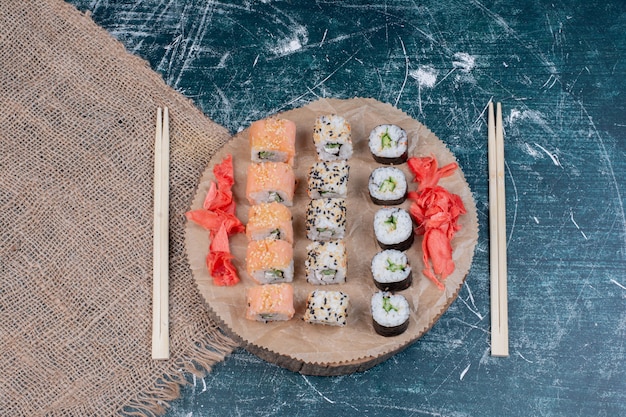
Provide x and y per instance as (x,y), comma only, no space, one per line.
(391,222)
(326,274)
(274,196)
(266,155)
(325,232)
(388,185)
(386,141)
(393,267)
(274,274)
(387,306)
(274,234)
(332,148)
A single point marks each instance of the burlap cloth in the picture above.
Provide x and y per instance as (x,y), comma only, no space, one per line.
(76,171)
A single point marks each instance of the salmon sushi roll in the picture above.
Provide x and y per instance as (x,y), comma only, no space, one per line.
(269,182)
(269,261)
(272,302)
(273,140)
(332,137)
(269,221)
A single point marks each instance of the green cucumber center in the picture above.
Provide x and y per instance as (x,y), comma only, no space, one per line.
(387,306)
(391,222)
(385,140)
(388,185)
(393,267)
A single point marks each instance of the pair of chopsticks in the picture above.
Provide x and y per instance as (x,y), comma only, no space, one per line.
(497,235)
(160,254)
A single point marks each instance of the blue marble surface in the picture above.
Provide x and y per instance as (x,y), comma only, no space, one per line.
(559,69)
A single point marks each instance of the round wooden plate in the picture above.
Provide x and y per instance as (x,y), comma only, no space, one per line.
(329,350)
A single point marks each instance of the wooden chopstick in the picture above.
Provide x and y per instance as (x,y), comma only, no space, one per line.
(497,236)
(160,254)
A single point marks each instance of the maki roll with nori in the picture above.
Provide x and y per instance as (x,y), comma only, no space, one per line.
(389,144)
(393,228)
(387,186)
(391,270)
(390,313)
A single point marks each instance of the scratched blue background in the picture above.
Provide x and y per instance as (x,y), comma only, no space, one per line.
(559,69)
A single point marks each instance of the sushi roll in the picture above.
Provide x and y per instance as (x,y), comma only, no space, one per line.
(326,263)
(270,182)
(328,179)
(273,140)
(269,261)
(387,186)
(271,302)
(390,313)
(332,138)
(389,144)
(327,307)
(393,228)
(391,270)
(269,221)
(326,219)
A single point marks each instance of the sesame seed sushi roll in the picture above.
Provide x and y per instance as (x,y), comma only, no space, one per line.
(269,261)
(269,221)
(270,182)
(271,302)
(390,313)
(273,140)
(326,219)
(391,270)
(326,263)
(328,179)
(389,144)
(387,186)
(327,307)
(393,228)
(332,138)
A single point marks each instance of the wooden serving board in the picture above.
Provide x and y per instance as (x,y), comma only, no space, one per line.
(328,350)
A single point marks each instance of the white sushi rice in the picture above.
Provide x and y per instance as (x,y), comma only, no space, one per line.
(332,137)
(326,263)
(327,307)
(271,196)
(328,179)
(274,275)
(389,309)
(387,183)
(392,225)
(326,219)
(388,141)
(390,266)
